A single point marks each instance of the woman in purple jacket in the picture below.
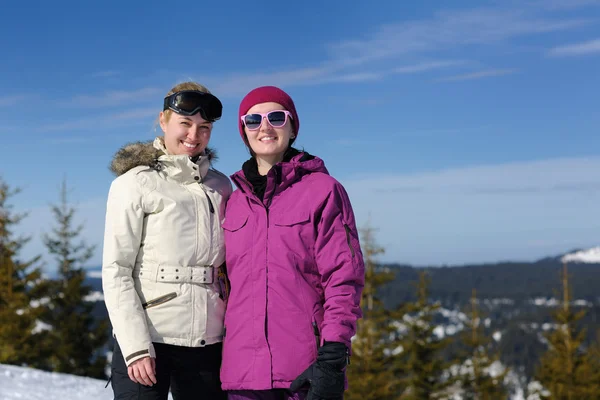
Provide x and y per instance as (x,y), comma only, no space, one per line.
(294,262)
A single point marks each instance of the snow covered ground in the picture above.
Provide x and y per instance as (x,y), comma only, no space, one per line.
(18,383)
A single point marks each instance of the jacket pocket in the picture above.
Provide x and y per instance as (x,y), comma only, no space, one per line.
(159,300)
(290,219)
(235,223)
(239,237)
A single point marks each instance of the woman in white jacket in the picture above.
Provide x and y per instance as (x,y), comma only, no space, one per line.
(162,270)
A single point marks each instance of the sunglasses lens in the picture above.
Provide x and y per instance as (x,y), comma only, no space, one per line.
(252,121)
(277,118)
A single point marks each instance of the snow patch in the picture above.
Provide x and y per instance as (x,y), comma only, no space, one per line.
(94,296)
(590,256)
(41,326)
(94,274)
(18,383)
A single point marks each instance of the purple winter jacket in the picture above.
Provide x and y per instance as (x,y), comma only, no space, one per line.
(296,272)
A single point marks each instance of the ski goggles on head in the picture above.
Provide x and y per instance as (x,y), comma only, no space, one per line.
(276,118)
(190,102)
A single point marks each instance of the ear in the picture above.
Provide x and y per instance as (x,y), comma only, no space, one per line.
(162,121)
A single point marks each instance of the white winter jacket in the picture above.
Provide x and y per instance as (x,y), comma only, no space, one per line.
(163,243)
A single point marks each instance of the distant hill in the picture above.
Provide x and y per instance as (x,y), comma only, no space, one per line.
(519,281)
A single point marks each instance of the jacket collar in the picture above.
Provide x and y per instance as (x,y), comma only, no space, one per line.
(182,168)
(154,155)
(282,175)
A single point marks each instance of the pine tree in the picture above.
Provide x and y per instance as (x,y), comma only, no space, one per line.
(22,290)
(594,369)
(369,374)
(425,374)
(477,383)
(77,336)
(566,371)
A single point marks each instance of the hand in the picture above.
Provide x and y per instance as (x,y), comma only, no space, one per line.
(143,371)
(325,376)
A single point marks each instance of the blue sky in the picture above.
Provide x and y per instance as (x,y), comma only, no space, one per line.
(464,131)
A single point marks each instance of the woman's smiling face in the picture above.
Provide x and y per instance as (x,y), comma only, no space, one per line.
(185,135)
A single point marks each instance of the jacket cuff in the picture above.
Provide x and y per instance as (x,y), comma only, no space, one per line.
(337,333)
(131,358)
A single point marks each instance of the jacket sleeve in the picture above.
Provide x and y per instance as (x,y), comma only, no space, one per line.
(341,266)
(122,238)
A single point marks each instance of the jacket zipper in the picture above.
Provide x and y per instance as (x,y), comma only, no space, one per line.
(210,204)
(268,205)
(348,239)
(267,288)
(159,300)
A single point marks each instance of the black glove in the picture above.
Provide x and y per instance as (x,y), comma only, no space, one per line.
(325,376)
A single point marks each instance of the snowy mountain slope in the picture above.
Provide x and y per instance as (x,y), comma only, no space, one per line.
(590,256)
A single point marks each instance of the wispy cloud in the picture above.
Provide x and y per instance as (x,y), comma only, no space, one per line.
(362,143)
(560,5)
(450,29)
(577,49)
(123,118)
(68,140)
(327,72)
(12,100)
(114,98)
(427,66)
(143,112)
(344,142)
(478,75)
(354,77)
(361,59)
(105,74)
(538,177)
(364,59)
(241,83)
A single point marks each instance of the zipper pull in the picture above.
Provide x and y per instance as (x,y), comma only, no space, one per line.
(317,334)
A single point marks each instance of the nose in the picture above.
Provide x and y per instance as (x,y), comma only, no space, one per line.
(264,124)
(196,134)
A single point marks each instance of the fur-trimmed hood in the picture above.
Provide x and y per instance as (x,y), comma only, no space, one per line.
(146,153)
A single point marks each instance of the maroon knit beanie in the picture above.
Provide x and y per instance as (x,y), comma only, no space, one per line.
(266,94)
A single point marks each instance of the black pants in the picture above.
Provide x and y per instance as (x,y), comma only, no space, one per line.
(190,373)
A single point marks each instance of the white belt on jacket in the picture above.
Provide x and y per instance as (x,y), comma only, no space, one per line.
(202,274)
